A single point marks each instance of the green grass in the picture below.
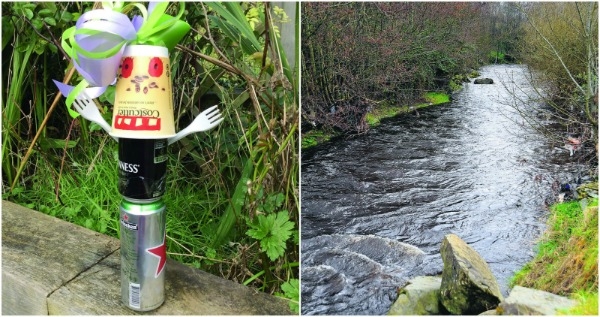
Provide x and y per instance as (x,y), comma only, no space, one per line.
(387,111)
(437,98)
(587,304)
(567,259)
(314,137)
(87,188)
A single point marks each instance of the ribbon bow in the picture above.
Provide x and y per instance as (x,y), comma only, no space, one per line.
(97,41)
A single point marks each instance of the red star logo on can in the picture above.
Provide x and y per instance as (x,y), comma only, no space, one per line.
(125,217)
(159,251)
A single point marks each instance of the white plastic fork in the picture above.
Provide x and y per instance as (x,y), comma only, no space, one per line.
(205,121)
(87,108)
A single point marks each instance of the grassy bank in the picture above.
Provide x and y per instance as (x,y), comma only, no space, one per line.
(567,259)
(431,99)
(374,117)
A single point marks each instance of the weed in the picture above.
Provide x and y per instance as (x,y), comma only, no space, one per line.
(587,304)
(567,259)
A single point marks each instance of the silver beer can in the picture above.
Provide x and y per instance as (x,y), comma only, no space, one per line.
(143,254)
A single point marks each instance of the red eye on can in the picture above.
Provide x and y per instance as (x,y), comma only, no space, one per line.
(155,69)
(127,67)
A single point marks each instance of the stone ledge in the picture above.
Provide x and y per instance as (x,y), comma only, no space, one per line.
(50,266)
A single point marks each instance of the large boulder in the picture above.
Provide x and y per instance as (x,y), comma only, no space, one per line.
(419,297)
(468,285)
(526,301)
(485,81)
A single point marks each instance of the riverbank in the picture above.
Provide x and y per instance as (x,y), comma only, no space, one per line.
(385,110)
(374,117)
(567,259)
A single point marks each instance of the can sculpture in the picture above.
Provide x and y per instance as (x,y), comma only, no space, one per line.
(105,48)
(143,113)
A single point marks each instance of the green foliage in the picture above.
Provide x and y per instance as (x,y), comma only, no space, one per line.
(561,43)
(587,304)
(87,191)
(567,257)
(272,231)
(291,291)
(386,111)
(496,57)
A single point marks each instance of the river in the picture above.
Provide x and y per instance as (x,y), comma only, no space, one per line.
(376,207)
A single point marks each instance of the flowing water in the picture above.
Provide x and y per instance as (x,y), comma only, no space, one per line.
(376,207)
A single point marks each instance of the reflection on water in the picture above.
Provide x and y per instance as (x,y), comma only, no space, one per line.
(376,207)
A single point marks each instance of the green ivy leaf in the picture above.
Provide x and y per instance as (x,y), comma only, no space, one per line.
(66,16)
(45,13)
(272,231)
(50,6)
(37,24)
(50,21)
(108,95)
(52,48)
(28,13)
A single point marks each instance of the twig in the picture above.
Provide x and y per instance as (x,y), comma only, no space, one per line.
(62,161)
(210,37)
(192,253)
(97,155)
(40,129)
(230,68)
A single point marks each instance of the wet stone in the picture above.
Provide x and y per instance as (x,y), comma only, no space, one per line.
(468,285)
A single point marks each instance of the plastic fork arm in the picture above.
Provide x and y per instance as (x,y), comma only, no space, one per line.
(181,134)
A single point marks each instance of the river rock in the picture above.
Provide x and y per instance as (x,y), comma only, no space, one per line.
(419,297)
(527,301)
(588,190)
(468,285)
(485,81)
(489,312)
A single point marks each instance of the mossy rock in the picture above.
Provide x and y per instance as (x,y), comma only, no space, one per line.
(419,297)
(588,190)
(468,285)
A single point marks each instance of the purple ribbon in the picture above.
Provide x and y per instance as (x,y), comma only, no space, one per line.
(97,41)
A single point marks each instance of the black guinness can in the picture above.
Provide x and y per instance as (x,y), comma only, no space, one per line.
(142,169)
